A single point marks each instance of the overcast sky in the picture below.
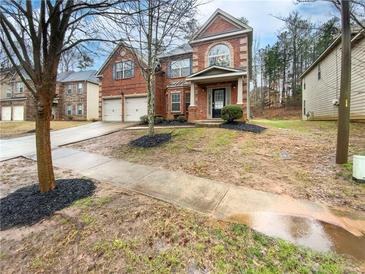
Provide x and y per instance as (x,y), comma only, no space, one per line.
(260,15)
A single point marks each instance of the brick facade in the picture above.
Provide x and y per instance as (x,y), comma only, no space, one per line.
(222,29)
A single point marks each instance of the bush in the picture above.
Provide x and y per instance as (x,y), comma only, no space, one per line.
(144,119)
(181,119)
(159,119)
(231,112)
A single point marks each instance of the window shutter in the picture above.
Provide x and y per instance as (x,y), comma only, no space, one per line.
(114,70)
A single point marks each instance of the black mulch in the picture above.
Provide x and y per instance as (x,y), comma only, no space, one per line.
(151,141)
(243,127)
(27,205)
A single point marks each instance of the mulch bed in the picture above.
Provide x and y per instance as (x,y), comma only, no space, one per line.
(27,205)
(243,127)
(147,141)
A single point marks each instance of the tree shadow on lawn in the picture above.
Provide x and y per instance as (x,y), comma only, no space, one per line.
(27,205)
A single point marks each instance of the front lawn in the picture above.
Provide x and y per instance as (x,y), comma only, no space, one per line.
(291,157)
(21,128)
(115,231)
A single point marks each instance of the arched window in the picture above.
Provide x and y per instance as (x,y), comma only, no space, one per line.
(219,55)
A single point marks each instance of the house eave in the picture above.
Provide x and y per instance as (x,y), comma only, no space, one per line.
(219,36)
(223,76)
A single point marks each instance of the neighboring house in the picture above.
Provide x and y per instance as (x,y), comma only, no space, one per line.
(196,80)
(77,97)
(321,82)
(16,101)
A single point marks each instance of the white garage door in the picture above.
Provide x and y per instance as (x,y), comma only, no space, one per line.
(18,113)
(6,113)
(135,107)
(112,110)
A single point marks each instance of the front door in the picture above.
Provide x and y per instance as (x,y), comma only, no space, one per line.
(218,102)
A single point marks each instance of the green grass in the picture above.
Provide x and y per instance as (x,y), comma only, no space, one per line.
(298,125)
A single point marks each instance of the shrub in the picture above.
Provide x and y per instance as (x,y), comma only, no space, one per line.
(159,119)
(144,119)
(231,112)
(181,119)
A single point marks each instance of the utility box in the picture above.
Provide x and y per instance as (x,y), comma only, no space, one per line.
(358,168)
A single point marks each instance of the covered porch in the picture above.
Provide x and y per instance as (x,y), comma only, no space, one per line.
(213,88)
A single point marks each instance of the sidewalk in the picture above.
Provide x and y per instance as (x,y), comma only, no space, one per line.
(263,211)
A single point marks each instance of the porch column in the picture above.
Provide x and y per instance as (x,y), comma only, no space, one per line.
(192,94)
(240,91)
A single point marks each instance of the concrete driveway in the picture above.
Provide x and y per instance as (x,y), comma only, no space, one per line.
(23,146)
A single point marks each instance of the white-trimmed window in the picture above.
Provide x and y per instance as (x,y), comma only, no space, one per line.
(19,87)
(124,70)
(80,109)
(69,110)
(8,93)
(69,89)
(219,55)
(180,68)
(175,102)
(79,87)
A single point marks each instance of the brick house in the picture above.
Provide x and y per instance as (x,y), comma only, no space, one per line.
(77,97)
(196,79)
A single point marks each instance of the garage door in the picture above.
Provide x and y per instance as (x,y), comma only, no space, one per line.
(6,113)
(135,107)
(112,110)
(18,113)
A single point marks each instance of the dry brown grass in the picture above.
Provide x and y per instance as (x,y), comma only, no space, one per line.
(254,160)
(21,128)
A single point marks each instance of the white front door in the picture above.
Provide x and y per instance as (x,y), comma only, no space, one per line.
(18,113)
(6,113)
(135,107)
(112,110)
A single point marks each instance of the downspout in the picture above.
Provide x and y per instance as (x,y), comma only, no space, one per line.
(248,96)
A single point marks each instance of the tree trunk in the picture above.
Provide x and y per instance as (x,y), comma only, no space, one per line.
(43,142)
(151,105)
(343,130)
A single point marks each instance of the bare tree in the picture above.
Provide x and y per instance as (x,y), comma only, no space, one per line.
(343,130)
(160,25)
(34,37)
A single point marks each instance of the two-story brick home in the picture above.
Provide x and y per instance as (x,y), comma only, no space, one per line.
(77,97)
(197,79)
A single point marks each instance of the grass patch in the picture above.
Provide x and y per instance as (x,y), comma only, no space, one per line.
(18,128)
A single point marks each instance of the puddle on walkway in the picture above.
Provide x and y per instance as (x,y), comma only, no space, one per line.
(310,233)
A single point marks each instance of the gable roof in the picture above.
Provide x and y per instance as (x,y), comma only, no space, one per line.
(120,44)
(72,76)
(357,35)
(241,27)
(215,71)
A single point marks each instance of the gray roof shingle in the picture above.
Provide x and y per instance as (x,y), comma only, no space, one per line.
(72,76)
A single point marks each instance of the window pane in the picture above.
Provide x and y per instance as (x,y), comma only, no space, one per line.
(118,66)
(219,55)
(180,68)
(127,73)
(175,107)
(175,97)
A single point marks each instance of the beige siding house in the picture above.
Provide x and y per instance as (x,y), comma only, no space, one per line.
(321,82)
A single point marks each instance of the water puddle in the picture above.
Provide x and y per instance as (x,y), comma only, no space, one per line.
(307,232)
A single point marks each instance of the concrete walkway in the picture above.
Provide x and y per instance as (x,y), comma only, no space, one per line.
(23,146)
(263,211)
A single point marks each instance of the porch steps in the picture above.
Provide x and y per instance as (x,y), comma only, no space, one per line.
(208,123)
